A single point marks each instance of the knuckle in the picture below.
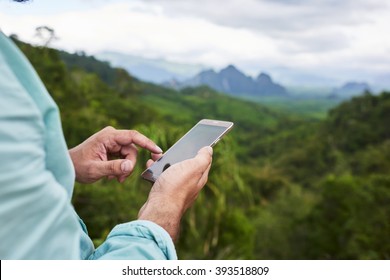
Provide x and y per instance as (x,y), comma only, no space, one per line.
(203,162)
(91,171)
(109,128)
(111,167)
(133,132)
(107,131)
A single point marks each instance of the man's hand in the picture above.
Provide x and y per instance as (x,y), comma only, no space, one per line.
(175,191)
(93,159)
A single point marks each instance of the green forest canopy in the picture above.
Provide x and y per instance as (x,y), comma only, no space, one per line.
(282,186)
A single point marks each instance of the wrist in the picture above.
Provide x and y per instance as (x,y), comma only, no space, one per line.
(74,156)
(165,214)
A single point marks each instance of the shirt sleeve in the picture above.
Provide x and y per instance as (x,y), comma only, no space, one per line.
(37,220)
(138,240)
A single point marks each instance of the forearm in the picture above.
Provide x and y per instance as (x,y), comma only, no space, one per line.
(165,214)
(38,221)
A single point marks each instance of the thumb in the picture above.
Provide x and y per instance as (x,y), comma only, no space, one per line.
(207,150)
(118,167)
(204,157)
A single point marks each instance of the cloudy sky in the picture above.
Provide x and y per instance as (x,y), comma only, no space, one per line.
(312,41)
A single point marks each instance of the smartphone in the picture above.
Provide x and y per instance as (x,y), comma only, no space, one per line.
(204,133)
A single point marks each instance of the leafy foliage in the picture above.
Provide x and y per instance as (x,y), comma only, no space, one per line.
(282,186)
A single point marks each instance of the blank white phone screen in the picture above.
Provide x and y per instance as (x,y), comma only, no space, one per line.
(200,136)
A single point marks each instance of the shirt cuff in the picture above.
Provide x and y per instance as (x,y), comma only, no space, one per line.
(139,240)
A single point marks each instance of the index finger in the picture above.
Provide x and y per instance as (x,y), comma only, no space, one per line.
(126,137)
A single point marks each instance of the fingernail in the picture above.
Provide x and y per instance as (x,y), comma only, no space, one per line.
(159,149)
(210,150)
(126,166)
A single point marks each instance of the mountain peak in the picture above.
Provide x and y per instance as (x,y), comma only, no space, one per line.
(231,80)
(231,69)
(263,77)
(351,88)
(208,72)
(359,85)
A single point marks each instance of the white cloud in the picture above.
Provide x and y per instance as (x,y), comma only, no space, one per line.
(146,30)
(335,39)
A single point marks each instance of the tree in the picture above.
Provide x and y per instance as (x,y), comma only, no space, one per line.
(46,34)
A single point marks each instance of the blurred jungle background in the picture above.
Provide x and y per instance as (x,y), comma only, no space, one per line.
(304,174)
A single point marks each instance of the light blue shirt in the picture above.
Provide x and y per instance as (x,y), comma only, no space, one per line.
(37,220)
